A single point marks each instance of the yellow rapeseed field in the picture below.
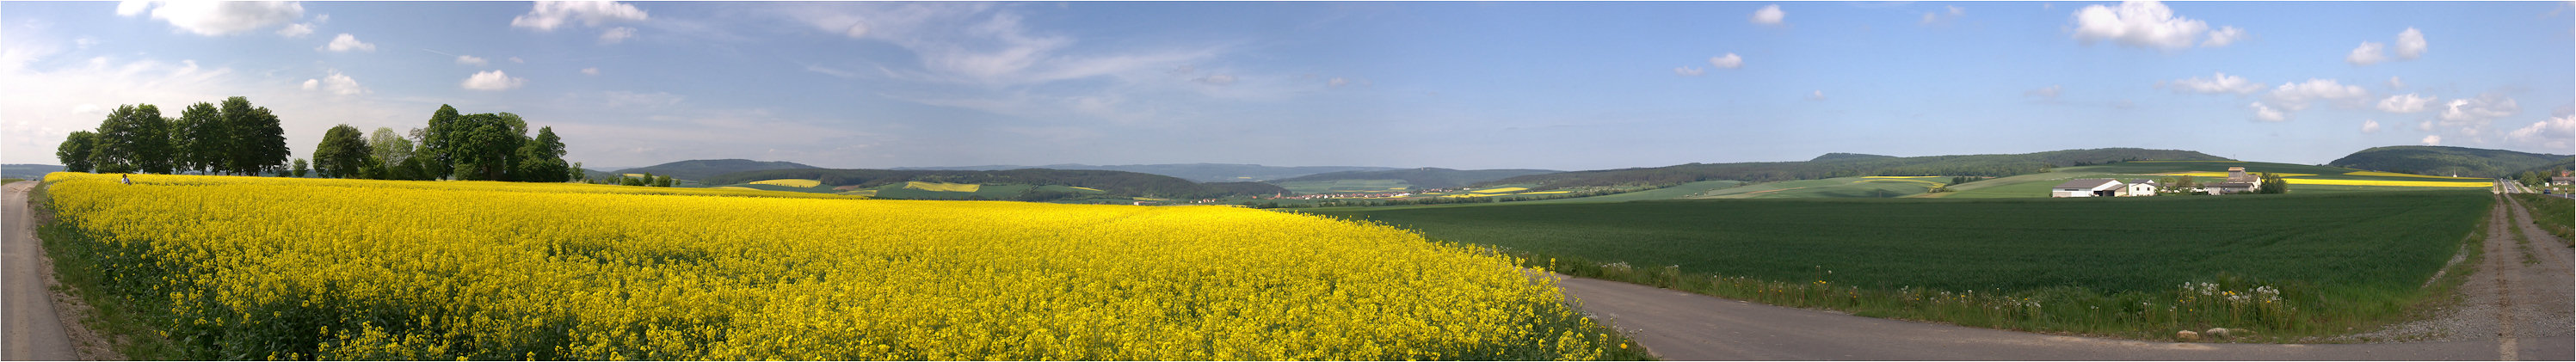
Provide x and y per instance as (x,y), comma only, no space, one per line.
(1501,190)
(942,186)
(278,268)
(791,182)
(2302,181)
(2394,174)
(2224,174)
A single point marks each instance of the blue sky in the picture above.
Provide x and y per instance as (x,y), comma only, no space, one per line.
(1567,86)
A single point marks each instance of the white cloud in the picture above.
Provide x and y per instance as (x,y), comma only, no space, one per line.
(1728,61)
(1216,79)
(2425,126)
(1933,17)
(2147,24)
(346,42)
(2433,140)
(296,30)
(1817,96)
(590,71)
(2394,83)
(216,18)
(616,35)
(1688,71)
(2369,126)
(493,80)
(2558,133)
(2050,92)
(336,83)
(37,120)
(472,60)
(2296,95)
(517,60)
(2405,103)
(2366,54)
(1956,11)
(2473,114)
(548,15)
(2223,36)
(2266,113)
(2410,44)
(1770,15)
(2220,83)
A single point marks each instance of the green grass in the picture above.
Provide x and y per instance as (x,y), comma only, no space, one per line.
(1840,187)
(1341,186)
(2554,214)
(2116,266)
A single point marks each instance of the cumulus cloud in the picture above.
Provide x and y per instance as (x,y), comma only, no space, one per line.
(617,35)
(2472,114)
(2223,36)
(2366,54)
(548,15)
(2369,126)
(517,60)
(472,60)
(346,42)
(296,31)
(1934,17)
(2266,113)
(1688,71)
(1770,15)
(2410,44)
(590,71)
(2433,140)
(2145,24)
(1817,96)
(2296,95)
(2405,103)
(2558,133)
(2050,92)
(1728,61)
(2426,126)
(215,18)
(336,83)
(493,80)
(1216,79)
(2394,83)
(2219,83)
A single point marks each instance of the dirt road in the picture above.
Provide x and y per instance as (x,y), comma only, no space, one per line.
(35,332)
(2531,298)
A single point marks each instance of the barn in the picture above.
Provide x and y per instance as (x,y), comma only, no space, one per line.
(2088,187)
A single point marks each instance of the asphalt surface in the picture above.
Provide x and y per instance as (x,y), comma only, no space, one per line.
(1678,325)
(34,331)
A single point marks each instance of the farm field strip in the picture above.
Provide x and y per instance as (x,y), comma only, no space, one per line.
(2117,266)
(259,268)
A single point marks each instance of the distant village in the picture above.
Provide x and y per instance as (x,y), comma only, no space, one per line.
(2238,181)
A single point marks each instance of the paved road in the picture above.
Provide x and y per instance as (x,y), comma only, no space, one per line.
(34,331)
(1684,326)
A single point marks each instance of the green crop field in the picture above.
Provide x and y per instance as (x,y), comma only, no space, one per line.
(1840,187)
(2108,265)
(2037,185)
(1339,186)
(1667,193)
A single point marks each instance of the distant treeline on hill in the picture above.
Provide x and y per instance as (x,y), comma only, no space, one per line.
(2446,160)
(1114,182)
(1421,178)
(1849,165)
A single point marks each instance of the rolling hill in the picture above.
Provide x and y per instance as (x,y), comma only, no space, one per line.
(1199,172)
(1418,178)
(1849,165)
(703,169)
(2446,160)
(1116,183)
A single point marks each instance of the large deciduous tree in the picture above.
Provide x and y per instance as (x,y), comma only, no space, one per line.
(75,151)
(437,143)
(133,138)
(259,140)
(200,139)
(343,151)
(541,159)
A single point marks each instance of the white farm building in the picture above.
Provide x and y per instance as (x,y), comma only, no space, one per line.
(2088,187)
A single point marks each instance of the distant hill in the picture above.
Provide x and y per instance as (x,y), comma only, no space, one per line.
(1120,183)
(1848,156)
(2447,160)
(28,171)
(703,169)
(1422,178)
(1847,166)
(1200,172)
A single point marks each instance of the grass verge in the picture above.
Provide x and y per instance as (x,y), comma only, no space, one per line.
(2553,214)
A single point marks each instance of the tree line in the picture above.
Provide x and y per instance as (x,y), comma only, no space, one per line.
(236,138)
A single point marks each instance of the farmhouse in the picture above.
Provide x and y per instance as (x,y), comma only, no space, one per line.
(2563,179)
(2140,188)
(2088,187)
(2237,182)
